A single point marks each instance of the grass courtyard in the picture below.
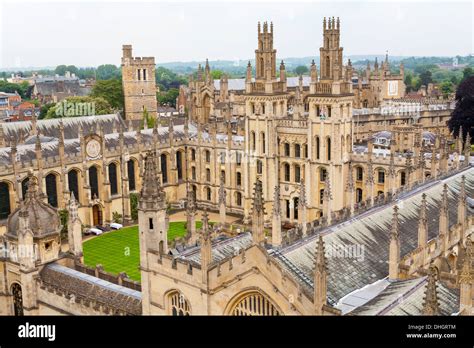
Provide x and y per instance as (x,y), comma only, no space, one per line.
(118,251)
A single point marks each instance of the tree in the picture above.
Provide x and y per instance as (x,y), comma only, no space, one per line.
(134,206)
(107,72)
(463,114)
(217,74)
(60,70)
(446,88)
(169,97)
(44,110)
(467,72)
(79,106)
(150,120)
(110,90)
(426,77)
(21,88)
(301,69)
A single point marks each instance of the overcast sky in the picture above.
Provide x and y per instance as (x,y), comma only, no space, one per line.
(89,33)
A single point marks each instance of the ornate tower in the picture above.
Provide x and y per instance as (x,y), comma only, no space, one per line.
(331,53)
(138,82)
(265,54)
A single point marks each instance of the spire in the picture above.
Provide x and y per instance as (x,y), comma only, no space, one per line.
(320,277)
(314,72)
(258,212)
(248,77)
(151,188)
(206,246)
(423,223)
(430,300)
(394,248)
(73,207)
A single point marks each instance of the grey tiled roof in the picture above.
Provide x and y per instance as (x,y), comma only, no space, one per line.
(369,232)
(91,288)
(221,248)
(406,298)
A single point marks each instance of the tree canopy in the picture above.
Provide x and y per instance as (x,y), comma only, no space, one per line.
(111,91)
(79,106)
(463,114)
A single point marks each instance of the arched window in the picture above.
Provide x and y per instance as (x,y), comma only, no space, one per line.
(52,190)
(179,165)
(297,151)
(262,136)
(193,173)
(295,208)
(358,195)
(164,168)
(321,196)
(286,167)
(208,193)
(329,148)
(262,67)
(259,167)
(24,187)
(178,304)
(193,154)
(403,178)
(252,141)
(328,64)
(287,149)
(238,199)
(94,182)
(318,145)
(238,158)
(359,174)
(239,179)
(4,200)
(73,183)
(297,173)
(305,150)
(208,175)
(208,156)
(132,186)
(113,179)
(17,299)
(254,304)
(381,176)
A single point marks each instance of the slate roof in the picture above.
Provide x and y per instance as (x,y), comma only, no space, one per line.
(221,248)
(360,246)
(50,144)
(405,297)
(88,287)
(50,127)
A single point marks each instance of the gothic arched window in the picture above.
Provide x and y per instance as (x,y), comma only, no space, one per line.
(94,182)
(259,167)
(132,186)
(359,174)
(358,195)
(286,166)
(179,165)
(113,179)
(17,299)
(4,200)
(164,168)
(178,304)
(297,173)
(253,304)
(238,198)
(318,145)
(52,189)
(403,178)
(297,151)
(73,183)
(24,187)
(329,148)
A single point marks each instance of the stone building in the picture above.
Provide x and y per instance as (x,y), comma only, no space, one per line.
(281,155)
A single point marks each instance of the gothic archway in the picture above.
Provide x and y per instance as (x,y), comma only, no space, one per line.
(17,299)
(178,305)
(252,303)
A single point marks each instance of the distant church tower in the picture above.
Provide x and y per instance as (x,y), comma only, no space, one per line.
(138,82)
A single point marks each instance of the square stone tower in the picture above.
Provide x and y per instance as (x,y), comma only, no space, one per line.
(138,81)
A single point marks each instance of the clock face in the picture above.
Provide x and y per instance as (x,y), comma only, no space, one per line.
(93,148)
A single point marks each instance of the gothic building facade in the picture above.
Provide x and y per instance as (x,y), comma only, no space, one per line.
(282,154)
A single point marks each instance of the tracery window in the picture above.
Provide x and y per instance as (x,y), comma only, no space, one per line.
(254,304)
(178,304)
(17,299)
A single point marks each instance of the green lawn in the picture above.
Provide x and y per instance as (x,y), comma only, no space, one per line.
(118,251)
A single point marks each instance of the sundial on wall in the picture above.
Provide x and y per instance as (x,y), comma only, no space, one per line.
(93,149)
